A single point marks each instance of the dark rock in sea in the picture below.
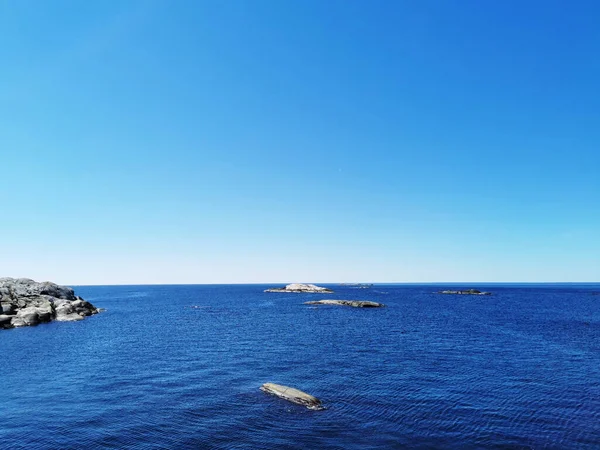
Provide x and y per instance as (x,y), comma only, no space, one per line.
(24,302)
(358,285)
(292,395)
(467,292)
(353,303)
(302,288)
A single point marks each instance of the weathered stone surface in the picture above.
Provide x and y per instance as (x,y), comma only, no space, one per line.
(292,395)
(5,320)
(466,292)
(83,308)
(68,317)
(353,303)
(29,315)
(7,308)
(67,311)
(24,302)
(302,288)
(11,288)
(18,322)
(63,308)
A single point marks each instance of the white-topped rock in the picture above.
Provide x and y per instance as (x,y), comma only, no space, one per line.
(302,288)
(292,395)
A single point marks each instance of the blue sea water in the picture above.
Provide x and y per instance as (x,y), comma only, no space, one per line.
(179,367)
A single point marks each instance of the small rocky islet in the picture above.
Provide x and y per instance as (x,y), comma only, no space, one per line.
(465,292)
(24,302)
(293,395)
(352,303)
(300,288)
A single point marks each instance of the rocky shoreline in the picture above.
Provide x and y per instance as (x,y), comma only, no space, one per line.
(24,302)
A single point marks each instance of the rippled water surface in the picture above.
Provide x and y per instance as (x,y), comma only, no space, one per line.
(519,369)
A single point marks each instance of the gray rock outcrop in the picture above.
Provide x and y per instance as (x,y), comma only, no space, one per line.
(24,302)
(353,303)
(292,395)
(466,292)
(302,288)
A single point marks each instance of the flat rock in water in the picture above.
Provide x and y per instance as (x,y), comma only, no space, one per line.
(466,292)
(24,302)
(302,288)
(292,395)
(353,303)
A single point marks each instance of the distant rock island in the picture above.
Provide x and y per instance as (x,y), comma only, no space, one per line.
(358,285)
(466,292)
(24,302)
(302,288)
(353,303)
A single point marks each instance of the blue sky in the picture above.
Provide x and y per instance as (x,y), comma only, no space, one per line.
(275,141)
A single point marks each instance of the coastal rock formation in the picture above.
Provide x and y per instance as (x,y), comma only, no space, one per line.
(467,292)
(302,288)
(353,303)
(24,302)
(292,395)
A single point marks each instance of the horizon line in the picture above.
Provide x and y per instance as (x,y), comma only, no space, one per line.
(341,283)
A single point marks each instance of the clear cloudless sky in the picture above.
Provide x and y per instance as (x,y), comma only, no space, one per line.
(307,140)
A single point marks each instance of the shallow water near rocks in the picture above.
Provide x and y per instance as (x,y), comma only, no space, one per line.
(181,367)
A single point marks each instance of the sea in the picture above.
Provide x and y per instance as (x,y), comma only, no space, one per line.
(180,367)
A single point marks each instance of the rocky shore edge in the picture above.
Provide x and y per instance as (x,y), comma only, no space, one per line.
(24,302)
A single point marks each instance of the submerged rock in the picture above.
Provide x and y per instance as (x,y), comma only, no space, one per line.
(353,303)
(467,292)
(302,288)
(292,395)
(24,302)
(358,285)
